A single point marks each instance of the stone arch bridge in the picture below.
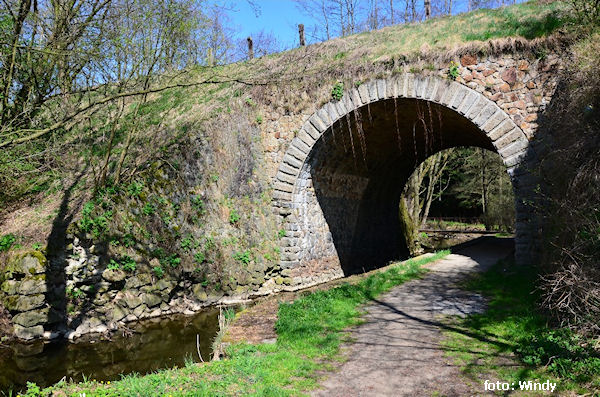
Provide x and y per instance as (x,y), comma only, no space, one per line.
(337,179)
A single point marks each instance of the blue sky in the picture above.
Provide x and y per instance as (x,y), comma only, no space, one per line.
(281,17)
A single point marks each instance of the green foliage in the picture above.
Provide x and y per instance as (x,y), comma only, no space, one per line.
(35,246)
(172,260)
(234,216)
(337,92)
(158,271)
(514,24)
(586,11)
(513,325)
(7,241)
(92,222)
(188,243)
(199,257)
(250,102)
(281,233)
(149,209)
(128,264)
(33,390)
(113,265)
(340,55)
(74,293)
(453,72)
(135,188)
(198,205)
(259,119)
(244,257)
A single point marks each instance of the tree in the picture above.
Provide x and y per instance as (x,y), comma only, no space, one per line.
(481,181)
(427,182)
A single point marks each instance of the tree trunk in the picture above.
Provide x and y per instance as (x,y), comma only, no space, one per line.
(24,7)
(408,229)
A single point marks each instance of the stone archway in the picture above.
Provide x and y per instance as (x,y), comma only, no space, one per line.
(337,187)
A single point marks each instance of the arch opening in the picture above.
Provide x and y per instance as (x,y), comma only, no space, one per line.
(343,199)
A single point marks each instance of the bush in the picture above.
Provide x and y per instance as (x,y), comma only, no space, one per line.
(569,188)
(7,241)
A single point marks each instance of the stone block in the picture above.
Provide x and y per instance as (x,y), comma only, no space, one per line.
(409,86)
(381,88)
(31,318)
(29,333)
(518,146)
(460,95)
(468,102)
(319,124)
(431,88)
(487,112)
(477,107)
(372,86)
(114,275)
(23,303)
(363,92)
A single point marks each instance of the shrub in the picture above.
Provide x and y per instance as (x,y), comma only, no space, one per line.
(7,241)
(234,216)
(158,271)
(337,92)
(453,72)
(568,208)
(113,265)
(129,264)
(244,257)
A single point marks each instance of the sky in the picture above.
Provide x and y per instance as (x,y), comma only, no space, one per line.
(281,17)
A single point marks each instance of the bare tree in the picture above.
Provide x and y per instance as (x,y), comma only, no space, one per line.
(425,185)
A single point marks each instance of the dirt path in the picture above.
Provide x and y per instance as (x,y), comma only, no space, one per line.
(396,352)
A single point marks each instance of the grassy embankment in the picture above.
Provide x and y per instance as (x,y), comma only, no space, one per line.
(512,341)
(309,334)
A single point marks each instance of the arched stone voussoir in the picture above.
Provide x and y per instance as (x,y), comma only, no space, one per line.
(508,139)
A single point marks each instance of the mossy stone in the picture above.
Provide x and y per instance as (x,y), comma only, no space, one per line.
(31,318)
(28,333)
(9,287)
(151,300)
(22,303)
(114,275)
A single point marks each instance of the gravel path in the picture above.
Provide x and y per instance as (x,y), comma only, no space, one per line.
(396,352)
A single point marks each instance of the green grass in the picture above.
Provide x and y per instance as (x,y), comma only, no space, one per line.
(310,331)
(443,225)
(513,342)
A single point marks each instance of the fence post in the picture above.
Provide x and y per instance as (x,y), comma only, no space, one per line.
(250,48)
(301,33)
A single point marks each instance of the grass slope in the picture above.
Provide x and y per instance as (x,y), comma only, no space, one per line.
(513,342)
(310,332)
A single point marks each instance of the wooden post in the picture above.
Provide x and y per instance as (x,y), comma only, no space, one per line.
(250,48)
(210,59)
(301,33)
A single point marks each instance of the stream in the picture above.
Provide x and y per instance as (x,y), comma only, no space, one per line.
(154,344)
